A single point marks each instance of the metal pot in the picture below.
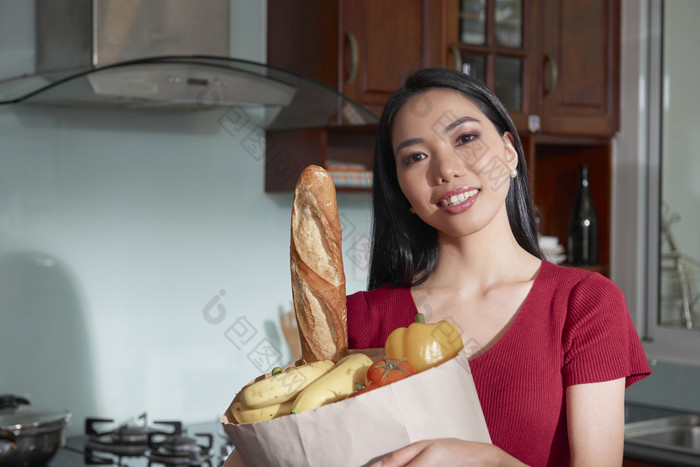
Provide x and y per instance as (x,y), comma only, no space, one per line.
(28,436)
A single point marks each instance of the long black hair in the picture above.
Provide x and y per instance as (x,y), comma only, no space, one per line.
(404,248)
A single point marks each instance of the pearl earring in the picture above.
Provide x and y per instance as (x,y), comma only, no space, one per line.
(513,173)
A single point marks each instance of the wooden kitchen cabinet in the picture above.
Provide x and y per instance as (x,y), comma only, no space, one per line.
(289,151)
(578,96)
(361,48)
(497,42)
(553,163)
(382,40)
(580,66)
(553,63)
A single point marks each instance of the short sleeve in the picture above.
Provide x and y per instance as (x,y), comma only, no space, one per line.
(600,342)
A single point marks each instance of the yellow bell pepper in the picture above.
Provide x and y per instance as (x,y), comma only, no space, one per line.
(424,345)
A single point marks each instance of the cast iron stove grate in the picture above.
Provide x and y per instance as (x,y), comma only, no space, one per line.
(159,445)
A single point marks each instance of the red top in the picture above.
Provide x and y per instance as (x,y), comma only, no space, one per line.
(572,328)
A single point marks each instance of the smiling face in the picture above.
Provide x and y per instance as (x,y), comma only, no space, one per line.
(451,163)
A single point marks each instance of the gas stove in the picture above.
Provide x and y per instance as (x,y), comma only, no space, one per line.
(160,443)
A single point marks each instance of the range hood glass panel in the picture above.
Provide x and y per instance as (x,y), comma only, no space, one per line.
(280,99)
(15,88)
(188,82)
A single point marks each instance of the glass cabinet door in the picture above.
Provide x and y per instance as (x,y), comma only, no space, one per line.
(508,23)
(472,22)
(492,45)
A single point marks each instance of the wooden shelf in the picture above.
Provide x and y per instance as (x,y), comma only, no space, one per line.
(554,164)
(289,151)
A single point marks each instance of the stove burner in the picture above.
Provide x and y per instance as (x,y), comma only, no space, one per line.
(125,440)
(158,445)
(177,449)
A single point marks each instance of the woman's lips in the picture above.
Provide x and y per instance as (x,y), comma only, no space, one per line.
(459,200)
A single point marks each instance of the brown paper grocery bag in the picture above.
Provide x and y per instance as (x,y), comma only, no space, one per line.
(437,403)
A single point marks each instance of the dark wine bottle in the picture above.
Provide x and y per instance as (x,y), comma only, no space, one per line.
(583,227)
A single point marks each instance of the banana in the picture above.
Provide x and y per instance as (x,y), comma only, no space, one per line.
(283,386)
(243,415)
(335,385)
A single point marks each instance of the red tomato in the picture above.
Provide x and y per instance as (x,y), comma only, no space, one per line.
(387,371)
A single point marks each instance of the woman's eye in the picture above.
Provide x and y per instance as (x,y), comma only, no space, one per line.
(413,158)
(466,138)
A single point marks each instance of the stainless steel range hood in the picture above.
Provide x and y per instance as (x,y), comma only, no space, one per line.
(164,55)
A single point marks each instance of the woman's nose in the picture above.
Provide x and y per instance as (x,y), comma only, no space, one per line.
(447,165)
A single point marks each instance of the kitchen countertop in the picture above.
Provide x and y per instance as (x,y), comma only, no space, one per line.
(635,412)
(647,455)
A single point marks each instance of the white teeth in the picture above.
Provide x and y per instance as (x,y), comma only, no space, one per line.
(458,199)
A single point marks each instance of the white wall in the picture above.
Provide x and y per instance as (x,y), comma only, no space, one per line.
(118,232)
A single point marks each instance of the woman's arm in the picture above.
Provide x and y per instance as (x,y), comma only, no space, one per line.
(595,414)
(448,451)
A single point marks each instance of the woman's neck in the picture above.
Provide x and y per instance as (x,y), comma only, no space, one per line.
(487,257)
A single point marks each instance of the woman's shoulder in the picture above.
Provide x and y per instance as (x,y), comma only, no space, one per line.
(582,296)
(572,294)
(570,279)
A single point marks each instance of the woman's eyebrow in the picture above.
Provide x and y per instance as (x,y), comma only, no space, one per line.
(458,122)
(408,142)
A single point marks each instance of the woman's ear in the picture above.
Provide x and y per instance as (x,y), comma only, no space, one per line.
(511,153)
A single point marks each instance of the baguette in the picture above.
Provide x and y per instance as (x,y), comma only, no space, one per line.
(316,262)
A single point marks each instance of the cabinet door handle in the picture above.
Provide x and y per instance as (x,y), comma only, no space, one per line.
(456,56)
(354,58)
(551,63)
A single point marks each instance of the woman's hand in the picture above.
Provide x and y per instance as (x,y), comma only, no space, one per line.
(448,451)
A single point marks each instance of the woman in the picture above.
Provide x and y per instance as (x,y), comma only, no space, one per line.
(551,348)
